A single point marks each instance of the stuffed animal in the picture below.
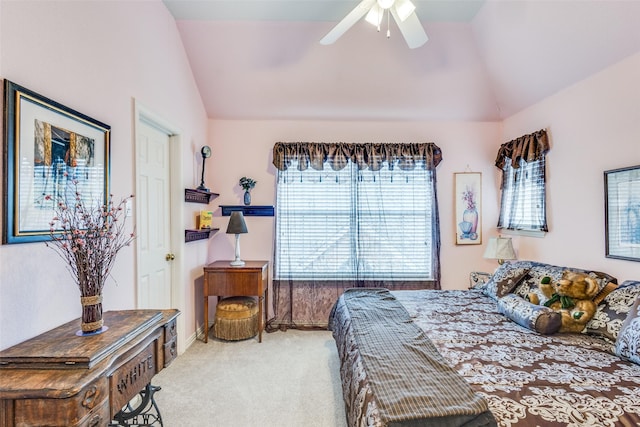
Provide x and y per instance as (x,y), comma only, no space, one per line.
(572,296)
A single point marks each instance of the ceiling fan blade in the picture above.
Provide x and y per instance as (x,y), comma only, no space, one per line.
(411,29)
(354,16)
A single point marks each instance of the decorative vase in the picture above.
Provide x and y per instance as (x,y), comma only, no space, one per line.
(91,322)
(471,216)
(247,198)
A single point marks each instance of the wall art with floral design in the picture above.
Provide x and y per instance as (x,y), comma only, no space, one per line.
(468,208)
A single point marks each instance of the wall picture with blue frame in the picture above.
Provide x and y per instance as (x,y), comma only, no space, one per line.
(50,152)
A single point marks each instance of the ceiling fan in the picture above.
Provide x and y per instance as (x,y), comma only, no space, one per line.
(403,12)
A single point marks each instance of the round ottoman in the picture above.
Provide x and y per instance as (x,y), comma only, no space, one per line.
(236,319)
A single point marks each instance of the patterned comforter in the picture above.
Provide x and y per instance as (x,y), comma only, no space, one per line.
(526,378)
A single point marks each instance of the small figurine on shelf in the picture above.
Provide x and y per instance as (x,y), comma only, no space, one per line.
(206,153)
(247,184)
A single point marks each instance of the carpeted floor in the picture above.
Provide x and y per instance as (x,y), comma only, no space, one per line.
(291,379)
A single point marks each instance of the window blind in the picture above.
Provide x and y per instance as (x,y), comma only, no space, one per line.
(354,224)
(523,204)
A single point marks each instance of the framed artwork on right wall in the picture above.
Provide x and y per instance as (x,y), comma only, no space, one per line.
(622,213)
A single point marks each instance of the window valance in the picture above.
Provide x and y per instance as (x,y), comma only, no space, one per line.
(528,148)
(368,155)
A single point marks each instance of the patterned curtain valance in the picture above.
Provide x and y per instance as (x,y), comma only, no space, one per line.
(369,155)
(528,147)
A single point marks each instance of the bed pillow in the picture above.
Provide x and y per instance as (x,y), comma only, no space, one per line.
(613,310)
(535,317)
(628,343)
(478,280)
(505,279)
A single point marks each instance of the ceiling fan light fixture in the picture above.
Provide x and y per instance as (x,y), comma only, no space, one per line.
(404,9)
(386,4)
(374,17)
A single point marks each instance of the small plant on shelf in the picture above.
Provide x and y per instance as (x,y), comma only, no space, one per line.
(247,183)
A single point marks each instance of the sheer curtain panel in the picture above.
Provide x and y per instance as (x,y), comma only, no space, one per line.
(351,215)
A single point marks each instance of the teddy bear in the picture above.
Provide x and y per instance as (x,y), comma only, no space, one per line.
(571,296)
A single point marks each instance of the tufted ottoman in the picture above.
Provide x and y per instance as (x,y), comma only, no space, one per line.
(236,319)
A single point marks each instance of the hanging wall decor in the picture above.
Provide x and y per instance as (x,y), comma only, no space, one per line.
(50,150)
(622,213)
(468,207)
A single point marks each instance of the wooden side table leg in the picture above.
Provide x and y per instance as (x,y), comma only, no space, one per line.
(260,316)
(266,306)
(206,318)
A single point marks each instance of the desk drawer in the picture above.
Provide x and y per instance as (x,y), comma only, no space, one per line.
(170,351)
(235,283)
(170,331)
(77,410)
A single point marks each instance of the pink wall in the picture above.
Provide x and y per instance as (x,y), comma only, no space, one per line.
(108,53)
(594,126)
(96,57)
(244,148)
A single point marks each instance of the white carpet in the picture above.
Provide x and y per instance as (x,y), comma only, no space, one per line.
(291,379)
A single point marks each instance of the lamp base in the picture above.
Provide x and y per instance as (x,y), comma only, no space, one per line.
(237,263)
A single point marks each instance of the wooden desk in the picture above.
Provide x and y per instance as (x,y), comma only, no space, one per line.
(224,280)
(64,380)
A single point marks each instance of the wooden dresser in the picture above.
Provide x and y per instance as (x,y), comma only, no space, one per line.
(61,379)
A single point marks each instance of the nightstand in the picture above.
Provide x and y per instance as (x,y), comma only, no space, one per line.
(224,280)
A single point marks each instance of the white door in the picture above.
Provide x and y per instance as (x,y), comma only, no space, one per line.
(153,225)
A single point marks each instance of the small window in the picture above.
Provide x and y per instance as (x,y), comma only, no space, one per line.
(523,205)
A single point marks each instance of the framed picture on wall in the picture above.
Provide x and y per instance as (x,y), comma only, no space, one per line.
(50,151)
(622,213)
(468,207)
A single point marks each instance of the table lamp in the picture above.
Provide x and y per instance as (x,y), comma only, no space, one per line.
(237,226)
(500,248)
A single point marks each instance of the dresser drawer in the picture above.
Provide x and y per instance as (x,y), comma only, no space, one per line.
(75,410)
(170,331)
(99,417)
(170,351)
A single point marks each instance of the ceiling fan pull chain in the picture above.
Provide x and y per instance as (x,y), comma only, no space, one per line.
(388,29)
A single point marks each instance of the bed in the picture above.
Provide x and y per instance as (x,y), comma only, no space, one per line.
(453,358)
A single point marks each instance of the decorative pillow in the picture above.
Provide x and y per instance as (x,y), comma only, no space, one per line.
(628,343)
(504,280)
(478,279)
(613,310)
(535,317)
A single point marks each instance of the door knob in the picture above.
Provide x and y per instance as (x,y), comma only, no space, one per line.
(170,257)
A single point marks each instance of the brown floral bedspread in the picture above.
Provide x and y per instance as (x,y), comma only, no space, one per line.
(528,379)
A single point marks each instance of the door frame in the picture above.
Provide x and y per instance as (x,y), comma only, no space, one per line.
(143,114)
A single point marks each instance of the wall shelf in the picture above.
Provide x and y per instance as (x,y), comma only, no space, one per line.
(193,235)
(248,210)
(198,196)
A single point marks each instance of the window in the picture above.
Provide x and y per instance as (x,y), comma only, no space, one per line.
(523,203)
(355,224)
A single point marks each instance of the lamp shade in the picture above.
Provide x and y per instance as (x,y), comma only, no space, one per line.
(236,223)
(500,248)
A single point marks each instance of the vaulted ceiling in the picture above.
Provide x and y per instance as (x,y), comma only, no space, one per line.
(485,59)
